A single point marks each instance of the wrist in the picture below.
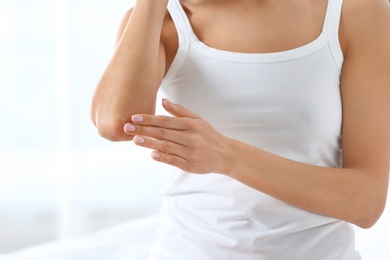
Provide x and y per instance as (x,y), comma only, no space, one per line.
(229,160)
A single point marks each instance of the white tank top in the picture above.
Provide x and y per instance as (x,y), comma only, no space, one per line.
(287,103)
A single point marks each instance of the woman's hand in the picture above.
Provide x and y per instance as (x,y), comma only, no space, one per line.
(185,141)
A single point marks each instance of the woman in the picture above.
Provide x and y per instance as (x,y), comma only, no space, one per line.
(280,126)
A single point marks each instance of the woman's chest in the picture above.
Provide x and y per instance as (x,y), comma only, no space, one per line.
(299,98)
(256,26)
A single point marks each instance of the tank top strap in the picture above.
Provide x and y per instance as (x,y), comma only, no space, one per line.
(180,20)
(183,28)
(331,29)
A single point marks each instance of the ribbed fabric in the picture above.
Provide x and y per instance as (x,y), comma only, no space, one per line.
(287,103)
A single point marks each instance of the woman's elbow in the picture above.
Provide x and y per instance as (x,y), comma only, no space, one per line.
(370,215)
(367,222)
(112,129)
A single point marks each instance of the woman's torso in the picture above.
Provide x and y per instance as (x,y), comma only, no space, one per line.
(269,84)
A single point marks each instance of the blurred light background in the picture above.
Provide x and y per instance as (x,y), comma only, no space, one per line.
(58,178)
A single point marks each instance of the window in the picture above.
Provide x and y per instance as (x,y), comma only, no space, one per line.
(58,178)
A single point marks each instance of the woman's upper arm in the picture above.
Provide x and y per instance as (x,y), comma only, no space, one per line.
(130,82)
(365,90)
(162,51)
(122,26)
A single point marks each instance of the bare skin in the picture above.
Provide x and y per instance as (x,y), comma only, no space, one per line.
(355,193)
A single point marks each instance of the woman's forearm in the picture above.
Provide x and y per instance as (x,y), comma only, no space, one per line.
(355,193)
(131,79)
(343,193)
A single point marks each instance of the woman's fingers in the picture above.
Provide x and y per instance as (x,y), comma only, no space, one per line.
(164,127)
(160,121)
(178,110)
(170,159)
(185,140)
(160,133)
(173,154)
(159,145)
(179,121)
(165,151)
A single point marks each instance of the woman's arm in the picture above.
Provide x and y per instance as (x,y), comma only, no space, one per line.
(130,82)
(356,192)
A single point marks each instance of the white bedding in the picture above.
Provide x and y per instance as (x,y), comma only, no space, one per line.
(129,241)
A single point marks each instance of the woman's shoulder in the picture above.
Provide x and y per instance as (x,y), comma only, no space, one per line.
(358,13)
(365,9)
(365,21)
(366,3)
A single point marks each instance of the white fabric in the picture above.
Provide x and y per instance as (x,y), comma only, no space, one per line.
(287,103)
(127,241)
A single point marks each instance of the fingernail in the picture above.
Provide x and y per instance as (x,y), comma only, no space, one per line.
(137,119)
(129,128)
(138,140)
(155,155)
(168,101)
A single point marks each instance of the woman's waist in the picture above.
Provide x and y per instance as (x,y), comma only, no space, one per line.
(220,200)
